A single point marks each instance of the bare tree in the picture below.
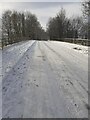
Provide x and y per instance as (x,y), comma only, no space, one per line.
(86,13)
(56,26)
(6,27)
(17,26)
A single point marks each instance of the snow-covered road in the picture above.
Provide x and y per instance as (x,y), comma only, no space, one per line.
(45,79)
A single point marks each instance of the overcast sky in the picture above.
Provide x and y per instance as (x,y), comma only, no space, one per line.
(43,10)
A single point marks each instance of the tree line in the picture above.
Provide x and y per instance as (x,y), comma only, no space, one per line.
(60,27)
(86,13)
(18,26)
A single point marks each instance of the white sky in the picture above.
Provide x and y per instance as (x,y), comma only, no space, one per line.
(40,0)
(43,10)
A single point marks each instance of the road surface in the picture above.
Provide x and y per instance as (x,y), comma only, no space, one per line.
(45,79)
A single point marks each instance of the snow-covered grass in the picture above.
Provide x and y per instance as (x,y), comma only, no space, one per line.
(78,48)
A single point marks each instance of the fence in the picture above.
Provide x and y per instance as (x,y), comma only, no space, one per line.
(85,42)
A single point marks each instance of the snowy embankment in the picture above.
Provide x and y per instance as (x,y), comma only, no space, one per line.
(12,53)
(78,48)
(0,84)
(45,79)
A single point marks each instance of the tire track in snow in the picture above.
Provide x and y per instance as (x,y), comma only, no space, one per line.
(65,60)
(12,93)
(78,92)
(12,54)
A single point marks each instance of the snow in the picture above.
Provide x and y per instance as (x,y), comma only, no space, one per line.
(0,30)
(11,55)
(80,48)
(0,84)
(45,79)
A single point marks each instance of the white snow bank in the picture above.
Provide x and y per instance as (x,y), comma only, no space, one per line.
(78,48)
(12,53)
